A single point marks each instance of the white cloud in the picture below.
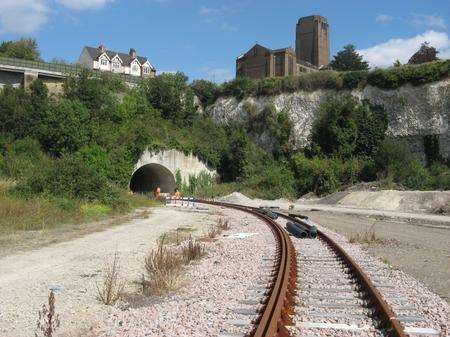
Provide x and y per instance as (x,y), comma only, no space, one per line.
(218,75)
(226,27)
(435,21)
(384,54)
(22,16)
(84,4)
(384,18)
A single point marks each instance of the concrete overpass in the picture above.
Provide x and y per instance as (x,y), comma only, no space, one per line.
(18,72)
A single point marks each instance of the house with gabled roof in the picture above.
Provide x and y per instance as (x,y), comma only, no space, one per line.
(107,60)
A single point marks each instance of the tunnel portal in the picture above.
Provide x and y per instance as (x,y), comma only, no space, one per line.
(150,176)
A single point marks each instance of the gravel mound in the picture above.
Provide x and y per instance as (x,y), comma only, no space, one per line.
(388,200)
(236,198)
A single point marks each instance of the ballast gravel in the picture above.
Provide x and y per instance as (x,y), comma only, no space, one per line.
(421,312)
(219,294)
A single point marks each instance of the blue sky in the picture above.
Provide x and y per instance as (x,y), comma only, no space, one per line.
(203,38)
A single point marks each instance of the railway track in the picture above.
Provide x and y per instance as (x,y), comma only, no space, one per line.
(333,291)
(336,294)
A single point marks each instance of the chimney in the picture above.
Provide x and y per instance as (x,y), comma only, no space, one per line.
(133,52)
(102,48)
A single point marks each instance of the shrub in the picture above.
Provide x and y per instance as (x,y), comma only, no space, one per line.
(72,178)
(325,79)
(440,174)
(64,128)
(394,159)
(354,79)
(112,286)
(347,128)
(318,175)
(272,182)
(240,88)
(95,157)
(206,91)
(416,75)
(270,86)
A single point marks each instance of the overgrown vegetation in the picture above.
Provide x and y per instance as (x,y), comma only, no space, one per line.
(164,265)
(71,156)
(349,78)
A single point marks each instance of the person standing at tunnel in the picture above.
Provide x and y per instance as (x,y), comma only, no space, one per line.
(177,194)
(157,192)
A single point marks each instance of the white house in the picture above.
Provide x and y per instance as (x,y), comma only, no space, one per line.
(107,60)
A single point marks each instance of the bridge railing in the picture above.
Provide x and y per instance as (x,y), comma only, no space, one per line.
(65,69)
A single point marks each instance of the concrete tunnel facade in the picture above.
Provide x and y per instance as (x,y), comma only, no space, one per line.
(158,169)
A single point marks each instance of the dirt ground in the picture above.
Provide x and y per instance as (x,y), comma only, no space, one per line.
(73,268)
(421,251)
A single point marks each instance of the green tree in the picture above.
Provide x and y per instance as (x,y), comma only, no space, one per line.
(206,91)
(347,128)
(65,128)
(170,94)
(26,49)
(348,59)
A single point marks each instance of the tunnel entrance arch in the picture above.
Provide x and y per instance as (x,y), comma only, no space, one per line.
(148,177)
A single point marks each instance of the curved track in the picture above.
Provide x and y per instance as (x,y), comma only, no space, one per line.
(280,303)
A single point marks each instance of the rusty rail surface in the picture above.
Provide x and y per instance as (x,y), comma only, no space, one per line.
(280,304)
(383,311)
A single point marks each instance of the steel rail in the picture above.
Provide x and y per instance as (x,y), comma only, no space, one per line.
(383,311)
(280,303)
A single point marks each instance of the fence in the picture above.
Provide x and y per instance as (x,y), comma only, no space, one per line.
(65,69)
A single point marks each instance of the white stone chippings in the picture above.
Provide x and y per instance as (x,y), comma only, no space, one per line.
(212,292)
(403,293)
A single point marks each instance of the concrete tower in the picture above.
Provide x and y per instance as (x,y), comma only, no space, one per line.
(312,43)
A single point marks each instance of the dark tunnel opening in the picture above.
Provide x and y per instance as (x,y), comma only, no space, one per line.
(150,176)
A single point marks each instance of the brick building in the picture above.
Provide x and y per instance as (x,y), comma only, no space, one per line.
(312,41)
(312,52)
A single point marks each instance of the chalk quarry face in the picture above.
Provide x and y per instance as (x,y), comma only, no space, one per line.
(413,112)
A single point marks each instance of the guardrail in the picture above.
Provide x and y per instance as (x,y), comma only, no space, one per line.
(64,69)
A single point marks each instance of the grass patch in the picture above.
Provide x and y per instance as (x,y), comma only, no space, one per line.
(95,210)
(369,236)
(176,236)
(43,213)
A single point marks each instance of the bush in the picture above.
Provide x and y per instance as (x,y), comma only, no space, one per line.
(72,178)
(317,175)
(393,78)
(206,91)
(65,127)
(440,174)
(325,79)
(354,79)
(240,88)
(395,160)
(347,128)
(272,183)
(270,86)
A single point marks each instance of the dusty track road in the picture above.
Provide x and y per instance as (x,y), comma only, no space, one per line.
(74,266)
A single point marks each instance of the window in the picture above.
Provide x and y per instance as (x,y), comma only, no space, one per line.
(104,62)
(145,70)
(116,64)
(135,68)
